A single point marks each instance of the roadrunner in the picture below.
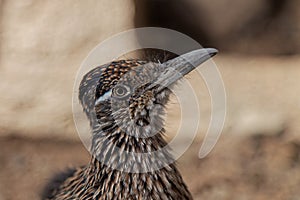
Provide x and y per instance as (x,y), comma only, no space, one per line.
(125,102)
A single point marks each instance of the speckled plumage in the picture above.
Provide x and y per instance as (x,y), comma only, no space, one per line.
(130,122)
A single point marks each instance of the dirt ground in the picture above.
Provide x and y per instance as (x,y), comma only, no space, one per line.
(253,167)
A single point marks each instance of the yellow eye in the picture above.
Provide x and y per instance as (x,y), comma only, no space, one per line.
(121,91)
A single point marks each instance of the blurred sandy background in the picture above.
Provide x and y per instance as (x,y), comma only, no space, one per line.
(42,44)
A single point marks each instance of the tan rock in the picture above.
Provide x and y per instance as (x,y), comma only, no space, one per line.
(42,45)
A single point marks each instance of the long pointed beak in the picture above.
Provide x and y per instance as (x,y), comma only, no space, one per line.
(178,67)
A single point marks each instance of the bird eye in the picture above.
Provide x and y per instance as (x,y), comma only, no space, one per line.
(121,91)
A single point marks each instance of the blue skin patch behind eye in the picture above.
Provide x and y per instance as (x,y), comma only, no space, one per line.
(104,97)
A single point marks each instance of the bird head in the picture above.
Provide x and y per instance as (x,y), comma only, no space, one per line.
(130,95)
